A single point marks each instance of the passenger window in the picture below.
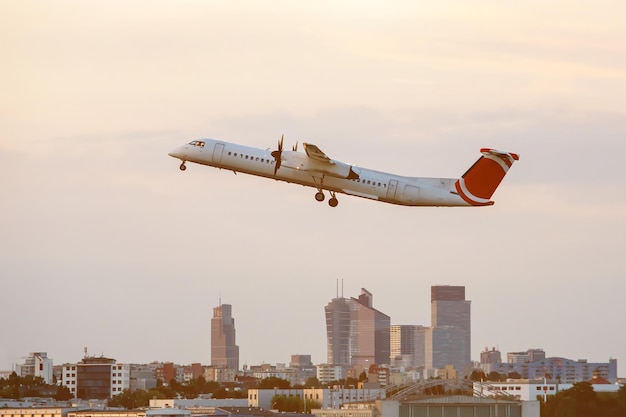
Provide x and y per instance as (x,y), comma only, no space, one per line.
(257,158)
(246,156)
(229,153)
(262,159)
(235,153)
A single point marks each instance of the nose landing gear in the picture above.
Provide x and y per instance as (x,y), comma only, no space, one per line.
(182,166)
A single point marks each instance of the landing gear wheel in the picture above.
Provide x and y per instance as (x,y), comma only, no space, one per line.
(319,196)
(333,202)
(182,167)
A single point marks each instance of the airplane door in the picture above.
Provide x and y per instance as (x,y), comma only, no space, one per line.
(217,152)
(391,189)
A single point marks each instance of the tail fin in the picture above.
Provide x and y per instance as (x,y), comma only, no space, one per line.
(479,183)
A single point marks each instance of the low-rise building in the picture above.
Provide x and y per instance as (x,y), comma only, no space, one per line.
(37,364)
(107,413)
(330,372)
(96,378)
(562,369)
(219,374)
(533,389)
(323,397)
(30,411)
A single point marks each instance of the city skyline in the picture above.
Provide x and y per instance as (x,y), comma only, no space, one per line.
(450,312)
(105,243)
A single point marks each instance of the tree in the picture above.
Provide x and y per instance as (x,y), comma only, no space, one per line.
(293,404)
(494,376)
(63,393)
(312,382)
(478,375)
(579,401)
(274,382)
(125,399)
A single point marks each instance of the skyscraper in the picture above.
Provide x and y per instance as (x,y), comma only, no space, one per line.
(338,331)
(224,351)
(357,333)
(448,341)
(407,345)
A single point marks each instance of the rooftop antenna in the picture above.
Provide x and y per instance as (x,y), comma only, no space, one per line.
(337,288)
(341,287)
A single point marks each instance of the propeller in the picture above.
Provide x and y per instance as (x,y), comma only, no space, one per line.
(295,147)
(278,153)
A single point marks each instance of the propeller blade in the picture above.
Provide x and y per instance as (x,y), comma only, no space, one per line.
(277,154)
(295,147)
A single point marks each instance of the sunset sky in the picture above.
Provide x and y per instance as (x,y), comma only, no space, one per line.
(105,244)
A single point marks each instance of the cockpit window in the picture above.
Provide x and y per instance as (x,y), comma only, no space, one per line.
(199,143)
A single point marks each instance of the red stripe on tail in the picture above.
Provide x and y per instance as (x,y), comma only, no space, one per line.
(479,183)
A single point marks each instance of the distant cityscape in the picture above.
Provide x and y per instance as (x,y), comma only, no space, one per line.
(362,344)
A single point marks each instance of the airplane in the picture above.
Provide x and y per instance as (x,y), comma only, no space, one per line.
(313,168)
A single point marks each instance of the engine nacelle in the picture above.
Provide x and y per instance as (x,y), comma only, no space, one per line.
(333,168)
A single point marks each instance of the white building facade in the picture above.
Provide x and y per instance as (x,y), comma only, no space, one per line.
(324,397)
(108,377)
(37,364)
(330,372)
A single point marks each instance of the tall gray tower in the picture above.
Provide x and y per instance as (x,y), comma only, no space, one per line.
(224,351)
(450,338)
(338,331)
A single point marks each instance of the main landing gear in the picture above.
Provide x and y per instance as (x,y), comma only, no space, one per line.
(182,166)
(333,202)
(319,195)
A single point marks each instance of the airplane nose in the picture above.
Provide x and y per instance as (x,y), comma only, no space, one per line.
(176,153)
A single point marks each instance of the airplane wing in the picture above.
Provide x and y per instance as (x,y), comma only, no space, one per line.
(314,152)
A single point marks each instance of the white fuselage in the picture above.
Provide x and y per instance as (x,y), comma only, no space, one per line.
(298,168)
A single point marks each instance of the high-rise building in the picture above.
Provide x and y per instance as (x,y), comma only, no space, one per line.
(338,331)
(448,341)
(357,333)
(300,361)
(407,345)
(489,358)
(224,351)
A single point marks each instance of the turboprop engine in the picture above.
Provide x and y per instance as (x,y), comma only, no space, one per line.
(302,162)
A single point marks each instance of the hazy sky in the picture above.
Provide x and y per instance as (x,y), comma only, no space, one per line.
(105,244)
